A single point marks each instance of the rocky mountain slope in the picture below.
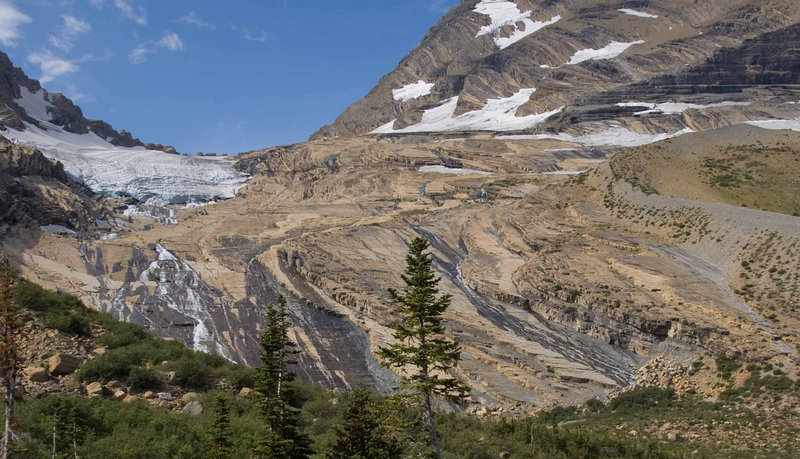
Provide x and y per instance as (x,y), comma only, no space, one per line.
(584,67)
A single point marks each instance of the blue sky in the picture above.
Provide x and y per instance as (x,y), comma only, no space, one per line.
(221,76)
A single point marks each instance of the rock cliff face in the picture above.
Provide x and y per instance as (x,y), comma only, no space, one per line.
(576,54)
(35,191)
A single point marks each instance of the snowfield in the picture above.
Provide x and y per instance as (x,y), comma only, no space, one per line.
(610,51)
(614,136)
(452,170)
(676,108)
(412,91)
(640,14)
(146,175)
(503,13)
(777,125)
(496,115)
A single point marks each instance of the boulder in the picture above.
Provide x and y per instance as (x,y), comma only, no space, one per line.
(71,382)
(100,350)
(63,364)
(119,395)
(95,389)
(130,398)
(36,374)
(148,394)
(246,392)
(193,408)
(189,396)
(166,396)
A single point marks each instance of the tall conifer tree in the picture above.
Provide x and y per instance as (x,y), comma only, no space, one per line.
(421,350)
(284,438)
(220,431)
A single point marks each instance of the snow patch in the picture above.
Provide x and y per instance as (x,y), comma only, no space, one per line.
(504,13)
(640,14)
(777,125)
(674,108)
(496,115)
(412,91)
(610,51)
(614,136)
(57,229)
(152,210)
(35,104)
(565,172)
(109,236)
(452,170)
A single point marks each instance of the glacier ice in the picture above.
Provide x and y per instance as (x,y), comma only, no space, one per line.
(112,170)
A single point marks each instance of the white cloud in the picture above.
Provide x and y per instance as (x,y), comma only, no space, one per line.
(262,37)
(195,20)
(172,42)
(96,3)
(51,66)
(77,96)
(135,13)
(69,32)
(10,21)
(139,54)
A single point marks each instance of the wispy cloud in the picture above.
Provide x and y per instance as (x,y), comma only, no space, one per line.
(97,3)
(139,54)
(77,96)
(11,19)
(169,40)
(172,42)
(132,12)
(51,66)
(194,19)
(261,37)
(69,32)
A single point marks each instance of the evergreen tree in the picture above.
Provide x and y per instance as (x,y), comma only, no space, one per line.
(284,438)
(421,350)
(363,435)
(220,431)
(10,330)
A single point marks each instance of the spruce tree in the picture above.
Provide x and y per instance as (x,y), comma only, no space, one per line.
(220,431)
(284,437)
(421,350)
(362,434)
(10,336)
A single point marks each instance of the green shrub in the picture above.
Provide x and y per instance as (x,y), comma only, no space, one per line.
(141,379)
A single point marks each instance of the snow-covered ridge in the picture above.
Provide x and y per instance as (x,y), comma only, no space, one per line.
(675,108)
(640,14)
(497,115)
(504,13)
(412,91)
(610,51)
(112,170)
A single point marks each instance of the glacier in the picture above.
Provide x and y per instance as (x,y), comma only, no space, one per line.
(149,176)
